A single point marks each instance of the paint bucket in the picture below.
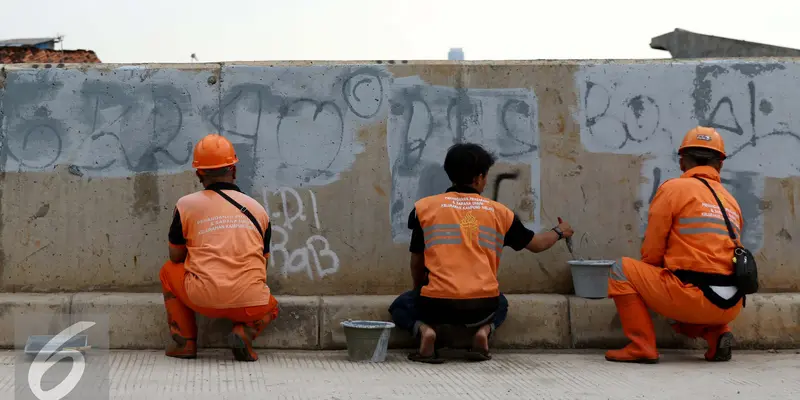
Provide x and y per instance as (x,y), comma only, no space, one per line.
(37,343)
(590,277)
(367,340)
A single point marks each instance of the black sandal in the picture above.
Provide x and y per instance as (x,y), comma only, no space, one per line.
(431,359)
(478,355)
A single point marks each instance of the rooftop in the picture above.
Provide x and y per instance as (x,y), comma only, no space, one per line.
(26,42)
(31,55)
(685,44)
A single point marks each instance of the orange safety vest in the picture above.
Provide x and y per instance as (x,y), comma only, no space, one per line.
(698,248)
(464,236)
(225,261)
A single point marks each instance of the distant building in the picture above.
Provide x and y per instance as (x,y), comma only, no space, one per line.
(684,44)
(455,53)
(39,43)
(42,51)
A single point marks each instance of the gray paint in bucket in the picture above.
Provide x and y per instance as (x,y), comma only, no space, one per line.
(367,340)
(590,277)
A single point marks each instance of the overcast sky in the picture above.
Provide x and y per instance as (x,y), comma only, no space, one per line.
(244,30)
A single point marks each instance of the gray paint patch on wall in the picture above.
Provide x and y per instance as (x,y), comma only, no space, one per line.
(748,189)
(107,123)
(425,120)
(299,125)
(751,104)
(3,156)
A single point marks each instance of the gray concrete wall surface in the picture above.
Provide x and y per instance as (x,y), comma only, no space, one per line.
(93,159)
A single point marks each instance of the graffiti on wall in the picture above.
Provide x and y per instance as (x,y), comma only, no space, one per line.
(102,124)
(311,255)
(298,126)
(425,120)
(646,109)
(292,127)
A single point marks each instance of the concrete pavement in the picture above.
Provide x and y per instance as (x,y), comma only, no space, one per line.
(510,375)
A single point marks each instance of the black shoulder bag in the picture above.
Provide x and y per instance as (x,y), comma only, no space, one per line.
(745,270)
(243,209)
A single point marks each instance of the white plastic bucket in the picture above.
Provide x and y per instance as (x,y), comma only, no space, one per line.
(367,340)
(590,277)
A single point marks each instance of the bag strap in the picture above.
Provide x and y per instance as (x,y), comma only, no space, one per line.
(721,209)
(243,209)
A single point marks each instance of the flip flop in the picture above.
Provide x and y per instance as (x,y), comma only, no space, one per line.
(478,355)
(431,359)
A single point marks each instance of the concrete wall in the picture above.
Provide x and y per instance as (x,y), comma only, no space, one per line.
(94,159)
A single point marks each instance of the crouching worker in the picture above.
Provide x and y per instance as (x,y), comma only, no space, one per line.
(218,249)
(456,242)
(686,269)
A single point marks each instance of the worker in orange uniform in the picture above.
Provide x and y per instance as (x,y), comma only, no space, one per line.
(218,249)
(456,242)
(686,269)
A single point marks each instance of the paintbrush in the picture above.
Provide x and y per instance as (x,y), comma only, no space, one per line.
(513,176)
(568,241)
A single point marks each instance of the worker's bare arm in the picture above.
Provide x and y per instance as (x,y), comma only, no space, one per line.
(177,254)
(545,240)
(418,269)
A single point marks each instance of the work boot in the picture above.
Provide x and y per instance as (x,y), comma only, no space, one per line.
(720,342)
(718,337)
(182,348)
(243,334)
(638,327)
(182,328)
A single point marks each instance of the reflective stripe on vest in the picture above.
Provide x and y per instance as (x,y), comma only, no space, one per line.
(692,229)
(441,234)
(462,244)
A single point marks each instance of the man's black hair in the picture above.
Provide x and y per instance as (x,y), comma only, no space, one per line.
(701,156)
(465,161)
(217,172)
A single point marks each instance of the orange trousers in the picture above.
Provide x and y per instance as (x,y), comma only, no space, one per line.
(181,311)
(665,294)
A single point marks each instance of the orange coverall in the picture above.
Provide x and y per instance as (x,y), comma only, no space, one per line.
(685,231)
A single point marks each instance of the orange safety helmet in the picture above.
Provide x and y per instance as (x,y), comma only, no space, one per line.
(214,151)
(704,137)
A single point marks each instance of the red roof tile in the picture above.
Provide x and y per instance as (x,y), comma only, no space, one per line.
(18,55)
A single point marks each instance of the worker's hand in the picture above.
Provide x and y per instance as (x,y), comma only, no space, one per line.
(565,228)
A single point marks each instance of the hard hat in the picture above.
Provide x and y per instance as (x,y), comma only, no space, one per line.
(704,137)
(214,151)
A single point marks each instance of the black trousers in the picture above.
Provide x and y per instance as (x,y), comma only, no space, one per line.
(410,309)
